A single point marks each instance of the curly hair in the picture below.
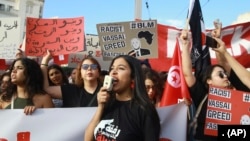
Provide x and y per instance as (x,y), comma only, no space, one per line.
(2,77)
(33,79)
(155,78)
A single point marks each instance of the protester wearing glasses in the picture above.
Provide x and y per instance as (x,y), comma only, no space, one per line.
(214,75)
(239,75)
(154,85)
(83,92)
(227,73)
(125,113)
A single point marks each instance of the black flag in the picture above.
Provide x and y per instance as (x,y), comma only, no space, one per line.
(200,52)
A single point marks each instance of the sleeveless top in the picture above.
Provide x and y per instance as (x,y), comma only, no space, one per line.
(19,103)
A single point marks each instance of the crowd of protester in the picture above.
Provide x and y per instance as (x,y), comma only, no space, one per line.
(136,93)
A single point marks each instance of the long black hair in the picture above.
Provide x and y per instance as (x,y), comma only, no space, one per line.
(65,79)
(33,79)
(140,94)
(208,74)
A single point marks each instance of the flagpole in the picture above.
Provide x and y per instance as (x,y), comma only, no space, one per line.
(187,24)
(138,9)
(186,28)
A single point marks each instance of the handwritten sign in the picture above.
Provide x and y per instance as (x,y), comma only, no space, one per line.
(92,49)
(9,37)
(61,36)
(92,42)
(138,37)
(226,106)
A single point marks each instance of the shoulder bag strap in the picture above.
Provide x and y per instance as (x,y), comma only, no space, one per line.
(193,124)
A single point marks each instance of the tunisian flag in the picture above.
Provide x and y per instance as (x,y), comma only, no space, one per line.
(175,87)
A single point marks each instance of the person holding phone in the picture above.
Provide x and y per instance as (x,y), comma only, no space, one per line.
(214,75)
(126,113)
(239,75)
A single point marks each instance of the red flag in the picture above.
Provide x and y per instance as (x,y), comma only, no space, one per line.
(175,87)
(236,38)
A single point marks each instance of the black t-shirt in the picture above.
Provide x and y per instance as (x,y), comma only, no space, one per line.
(126,122)
(74,96)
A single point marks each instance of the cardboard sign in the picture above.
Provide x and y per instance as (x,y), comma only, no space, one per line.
(225,107)
(9,37)
(134,37)
(61,36)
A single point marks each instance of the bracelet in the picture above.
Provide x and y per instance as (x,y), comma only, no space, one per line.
(44,64)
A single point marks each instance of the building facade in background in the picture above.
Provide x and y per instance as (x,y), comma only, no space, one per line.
(21,9)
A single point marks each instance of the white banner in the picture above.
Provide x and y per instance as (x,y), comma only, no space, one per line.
(9,37)
(68,124)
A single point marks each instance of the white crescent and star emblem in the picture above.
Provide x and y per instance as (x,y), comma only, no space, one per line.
(174,78)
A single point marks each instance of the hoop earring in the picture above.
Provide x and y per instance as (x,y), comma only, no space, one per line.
(132,85)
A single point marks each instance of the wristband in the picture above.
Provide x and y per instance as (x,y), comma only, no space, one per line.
(44,64)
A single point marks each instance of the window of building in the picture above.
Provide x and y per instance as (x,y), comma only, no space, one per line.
(9,8)
(2,7)
(29,9)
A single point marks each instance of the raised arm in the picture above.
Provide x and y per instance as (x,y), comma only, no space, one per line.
(53,91)
(186,59)
(240,71)
(221,60)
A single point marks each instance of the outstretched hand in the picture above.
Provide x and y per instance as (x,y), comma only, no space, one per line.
(217,31)
(184,37)
(47,57)
(19,54)
(221,46)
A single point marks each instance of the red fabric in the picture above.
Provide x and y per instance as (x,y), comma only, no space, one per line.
(175,87)
(60,60)
(162,63)
(236,38)
(3,65)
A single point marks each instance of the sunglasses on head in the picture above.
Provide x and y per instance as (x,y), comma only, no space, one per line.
(222,74)
(92,66)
